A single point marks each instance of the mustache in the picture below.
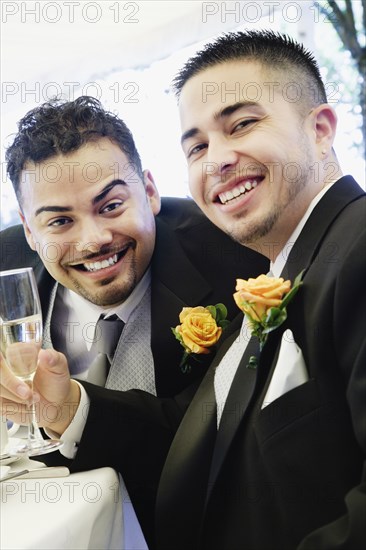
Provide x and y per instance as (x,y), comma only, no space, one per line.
(106,250)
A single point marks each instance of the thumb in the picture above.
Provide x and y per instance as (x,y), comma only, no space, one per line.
(53,362)
(52,378)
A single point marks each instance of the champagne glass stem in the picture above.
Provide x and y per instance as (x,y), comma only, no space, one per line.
(34,434)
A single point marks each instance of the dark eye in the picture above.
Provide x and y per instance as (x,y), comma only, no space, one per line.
(59,222)
(242,124)
(111,206)
(196,149)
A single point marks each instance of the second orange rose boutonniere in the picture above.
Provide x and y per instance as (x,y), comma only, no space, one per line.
(200,329)
(264,301)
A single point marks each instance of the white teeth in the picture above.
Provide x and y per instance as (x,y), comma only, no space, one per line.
(95,266)
(237,191)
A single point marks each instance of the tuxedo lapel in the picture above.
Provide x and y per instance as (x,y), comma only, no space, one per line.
(46,288)
(172,268)
(187,467)
(47,326)
(239,396)
(178,514)
(308,244)
(176,283)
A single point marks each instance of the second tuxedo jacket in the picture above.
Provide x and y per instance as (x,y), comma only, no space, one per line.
(291,474)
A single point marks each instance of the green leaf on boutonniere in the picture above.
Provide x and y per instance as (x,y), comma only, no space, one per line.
(221,312)
(212,310)
(293,291)
(275,317)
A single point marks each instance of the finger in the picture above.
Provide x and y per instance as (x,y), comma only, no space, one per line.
(9,408)
(10,396)
(11,384)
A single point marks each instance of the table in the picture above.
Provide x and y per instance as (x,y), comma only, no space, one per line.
(80,511)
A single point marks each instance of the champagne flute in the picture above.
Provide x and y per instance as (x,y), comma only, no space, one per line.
(20,342)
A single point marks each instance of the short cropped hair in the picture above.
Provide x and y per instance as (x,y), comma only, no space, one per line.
(62,127)
(272,50)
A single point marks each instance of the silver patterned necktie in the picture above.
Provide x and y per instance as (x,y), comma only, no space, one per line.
(133,364)
(107,334)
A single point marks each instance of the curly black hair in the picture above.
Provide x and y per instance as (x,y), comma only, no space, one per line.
(61,127)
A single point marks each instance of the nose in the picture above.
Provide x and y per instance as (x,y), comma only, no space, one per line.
(93,235)
(222,158)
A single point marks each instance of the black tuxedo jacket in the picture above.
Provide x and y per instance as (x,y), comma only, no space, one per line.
(289,476)
(193,263)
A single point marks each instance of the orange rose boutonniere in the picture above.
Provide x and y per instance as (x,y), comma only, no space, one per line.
(200,329)
(264,301)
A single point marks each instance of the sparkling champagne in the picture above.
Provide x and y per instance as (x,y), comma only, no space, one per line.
(20,343)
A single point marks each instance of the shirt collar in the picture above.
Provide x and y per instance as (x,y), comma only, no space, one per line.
(277,266)
(89,313)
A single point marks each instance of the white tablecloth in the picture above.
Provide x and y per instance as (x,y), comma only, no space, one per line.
(79,511)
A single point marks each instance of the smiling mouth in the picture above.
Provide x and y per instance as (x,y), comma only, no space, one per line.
(238,191)
(99,265)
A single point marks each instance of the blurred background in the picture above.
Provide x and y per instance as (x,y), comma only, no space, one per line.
(127,53)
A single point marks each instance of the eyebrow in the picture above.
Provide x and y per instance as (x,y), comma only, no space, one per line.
(230,109)
(106,190)
(223,113)
(188,134)
(95,200)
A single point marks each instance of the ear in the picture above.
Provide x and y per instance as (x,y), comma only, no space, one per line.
(324,127)
(152,192)
(27,232)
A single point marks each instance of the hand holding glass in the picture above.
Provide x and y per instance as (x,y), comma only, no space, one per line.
(21,339)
